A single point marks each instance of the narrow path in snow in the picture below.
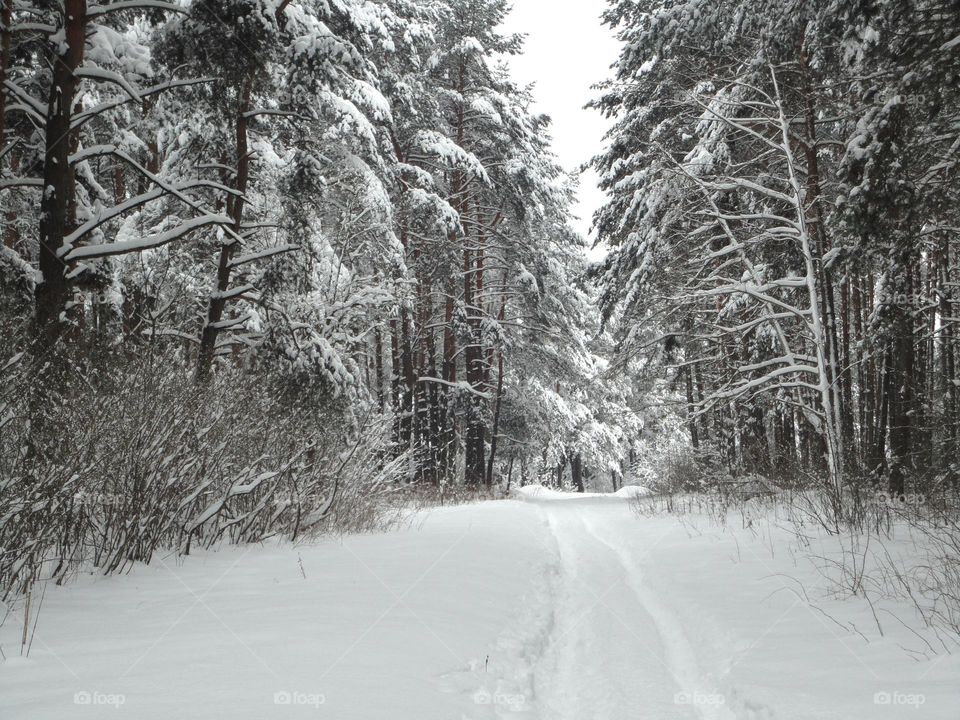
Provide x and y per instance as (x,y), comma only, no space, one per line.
(612,653)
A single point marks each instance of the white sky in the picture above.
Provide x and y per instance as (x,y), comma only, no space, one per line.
(566,52)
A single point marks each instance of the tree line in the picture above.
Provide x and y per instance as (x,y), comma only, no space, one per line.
(348,201)
(782,208)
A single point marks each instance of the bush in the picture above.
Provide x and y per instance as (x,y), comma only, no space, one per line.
(144,460)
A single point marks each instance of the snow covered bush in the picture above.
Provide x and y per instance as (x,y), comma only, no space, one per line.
(145,462)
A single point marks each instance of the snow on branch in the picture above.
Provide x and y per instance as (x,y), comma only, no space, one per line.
(44,28)
(100,10)
(89,252)
(101,75)
(6,183)
(461,385)
(232,323)
(452,155)
(156,193)
(113,150)
(233,293)
(262,255)
(81,118)
(34,105)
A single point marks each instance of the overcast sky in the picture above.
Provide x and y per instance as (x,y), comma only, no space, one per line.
(567,51)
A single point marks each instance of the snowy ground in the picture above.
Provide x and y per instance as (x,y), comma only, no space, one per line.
(550,607)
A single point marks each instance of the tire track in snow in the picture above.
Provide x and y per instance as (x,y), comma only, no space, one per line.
(500,683)
(605,658)
(679,658)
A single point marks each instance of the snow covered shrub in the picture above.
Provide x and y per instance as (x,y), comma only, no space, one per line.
(666,462)
(144,460)
(680,471)
(939,579)
(17,281)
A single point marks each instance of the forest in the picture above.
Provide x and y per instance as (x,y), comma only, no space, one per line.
(331,381)
(783,211)
(268,265)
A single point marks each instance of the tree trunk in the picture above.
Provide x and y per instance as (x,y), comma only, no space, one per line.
(235,206)
(691,417)
(378,367)
(53,291)
(6,20)
(496,418)
(396,393)
(576,472)
(901,394)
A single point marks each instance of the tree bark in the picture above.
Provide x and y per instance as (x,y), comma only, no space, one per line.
(496,419)
(53,291)
(6,21)
(576,472)
(901,391)
(691,417)
(235,207)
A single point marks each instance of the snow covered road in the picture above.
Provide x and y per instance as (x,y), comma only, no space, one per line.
(606,656)
(555,608)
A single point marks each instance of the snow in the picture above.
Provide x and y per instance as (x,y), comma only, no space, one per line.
(632,491)
(262,254)
(951,44)
(366,96)
(146,243)
(552,605)
(451,154)
(541,492)
(121,50)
